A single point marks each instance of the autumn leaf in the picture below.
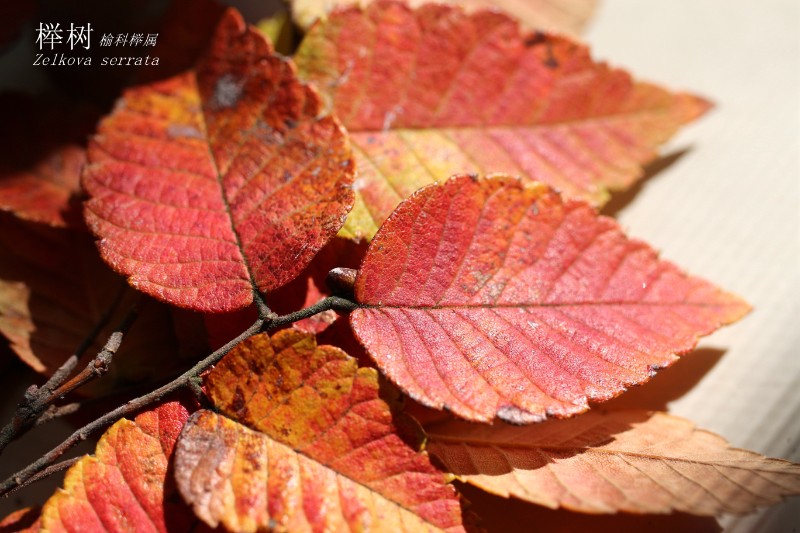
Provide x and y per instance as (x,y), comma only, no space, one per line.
(54,289)
(218,182)
(44,150)
(568,16)
(308,288)
(491,298)
(124,486)
(432,92)
(322,452)
(631,461)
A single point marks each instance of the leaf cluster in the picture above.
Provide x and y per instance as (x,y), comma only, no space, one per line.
(357,284)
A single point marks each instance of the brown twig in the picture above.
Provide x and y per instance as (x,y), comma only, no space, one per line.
(54,412)
(46,472)
(267,321)
(37,400)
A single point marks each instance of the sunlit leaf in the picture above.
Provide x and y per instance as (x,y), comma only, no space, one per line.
(324,452)
(432,92)
(218,182)
(630,461)
(124,486)
(492,298)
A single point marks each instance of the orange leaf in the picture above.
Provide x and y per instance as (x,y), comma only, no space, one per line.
(124,486)
(630,461)
(218,182)
(492,298)
(432,92)
(324,453)
(568,16)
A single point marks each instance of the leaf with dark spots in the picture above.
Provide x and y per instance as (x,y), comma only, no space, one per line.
(188,199)
(316,448)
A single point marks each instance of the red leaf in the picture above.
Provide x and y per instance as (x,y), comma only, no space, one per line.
(325,452)
(491,298)
(306,289)
(432,92)
(124,486)
(220,181)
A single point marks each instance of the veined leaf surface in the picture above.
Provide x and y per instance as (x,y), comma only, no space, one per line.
(631,461)
(124,486)
(433,92)
(324,452)
(492,298)
(219,182)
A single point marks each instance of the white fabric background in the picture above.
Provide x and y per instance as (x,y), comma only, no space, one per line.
(729,208)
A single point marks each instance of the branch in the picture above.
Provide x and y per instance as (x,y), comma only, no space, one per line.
(266,321)
(38,399)
(132,406)
(331,302)
(49,471)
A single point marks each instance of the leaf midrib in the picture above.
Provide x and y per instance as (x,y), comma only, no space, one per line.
(578,450)
(534,305)
(226,203)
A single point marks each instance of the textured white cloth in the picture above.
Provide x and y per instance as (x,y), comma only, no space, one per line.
(729,209)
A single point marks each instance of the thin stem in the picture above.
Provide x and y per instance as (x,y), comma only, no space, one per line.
(132,406)
(46,472)
(53,412)
(331,302)
(267,320)
(102,361)
(38,399)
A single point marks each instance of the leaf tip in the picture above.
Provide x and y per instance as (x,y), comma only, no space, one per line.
(693,106)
